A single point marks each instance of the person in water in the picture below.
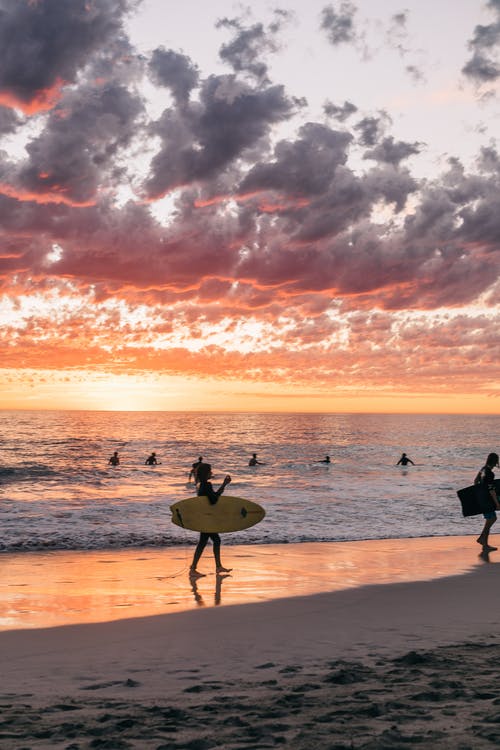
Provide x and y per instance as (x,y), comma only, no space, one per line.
(486,478)
(204,474)
(114,460)
(325,460)
(404,461)
(253,461)
(194,470)
(151,460)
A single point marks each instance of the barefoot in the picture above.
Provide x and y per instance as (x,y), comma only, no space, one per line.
(193,573)
(489,548)
(480,540)
(223,570)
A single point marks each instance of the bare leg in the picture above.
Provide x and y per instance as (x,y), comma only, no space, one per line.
(197,554)
(218,565)
(485,533)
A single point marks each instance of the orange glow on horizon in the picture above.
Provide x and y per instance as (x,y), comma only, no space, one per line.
(88,391)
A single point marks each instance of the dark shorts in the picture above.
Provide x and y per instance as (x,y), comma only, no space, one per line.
(491,514)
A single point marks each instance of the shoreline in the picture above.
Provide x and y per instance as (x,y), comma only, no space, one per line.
(49,589)
(373,666)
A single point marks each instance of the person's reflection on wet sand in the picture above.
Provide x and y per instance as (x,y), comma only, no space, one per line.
(217,593)
(485,556)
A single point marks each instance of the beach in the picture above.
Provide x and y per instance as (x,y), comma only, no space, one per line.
(401,656)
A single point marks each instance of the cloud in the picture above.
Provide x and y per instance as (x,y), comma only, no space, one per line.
(260,243)
(393,152)
(247,50)
(482,67)
(203,139)
(338,23)
(339,112)
(175,71)
(9,120)
(371,129)
(75,153)
(46,44)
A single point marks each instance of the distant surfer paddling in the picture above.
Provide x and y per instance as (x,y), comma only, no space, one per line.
(253,461)
(151,460)
(203,475)
(485,478)
(114,460)
(404,461)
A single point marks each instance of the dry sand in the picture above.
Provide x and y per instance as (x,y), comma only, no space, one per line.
(375,665)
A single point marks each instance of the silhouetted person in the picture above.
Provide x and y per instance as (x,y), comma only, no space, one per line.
(486,478)
(325,460)
(151,460)
(114,460)
(253,461)
(404,461)
(204,474)
(194,470)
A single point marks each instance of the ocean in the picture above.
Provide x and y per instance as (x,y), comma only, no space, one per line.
(58,492)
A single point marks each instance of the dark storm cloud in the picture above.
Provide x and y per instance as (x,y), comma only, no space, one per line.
(72,155)
(247,50)
(339,112)
(9,121)
(390,151)
(303,167)
(203,138)
(482,66)
(175,71)
(338,22)
(371,129)
(44,43)
(288,216)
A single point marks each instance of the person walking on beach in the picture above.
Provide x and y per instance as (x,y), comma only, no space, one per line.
(194,470)
(404,461)
(114,460)
(151,460)
(488,499)
(253,461)
(204,474)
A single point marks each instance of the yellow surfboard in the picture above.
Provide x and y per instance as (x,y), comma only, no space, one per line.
(228,514)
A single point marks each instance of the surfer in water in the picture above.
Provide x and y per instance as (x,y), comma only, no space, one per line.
(194,470)
(203,475)
(404,461)
(325,460)
(151,460)
(486,478)
(253,461)
(114,460)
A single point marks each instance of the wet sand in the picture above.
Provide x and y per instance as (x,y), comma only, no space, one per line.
(399,649)
(63,588)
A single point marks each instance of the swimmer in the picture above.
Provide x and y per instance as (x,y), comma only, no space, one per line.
(404,461)
(253,461)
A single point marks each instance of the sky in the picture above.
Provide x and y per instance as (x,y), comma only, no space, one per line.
(285,206)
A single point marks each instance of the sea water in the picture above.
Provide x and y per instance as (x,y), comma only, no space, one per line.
(57,490)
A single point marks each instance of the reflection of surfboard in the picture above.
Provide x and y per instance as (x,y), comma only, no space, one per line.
(473,501)
(228,514)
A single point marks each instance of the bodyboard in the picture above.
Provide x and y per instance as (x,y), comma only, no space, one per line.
(474,499)
(228,514)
